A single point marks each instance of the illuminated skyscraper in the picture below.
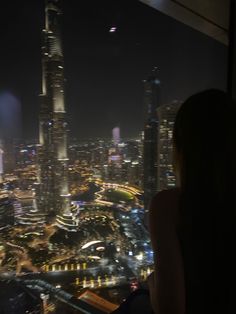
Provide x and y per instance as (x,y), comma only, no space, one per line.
(54,192)
(166,117)
(115,157)
(152,101)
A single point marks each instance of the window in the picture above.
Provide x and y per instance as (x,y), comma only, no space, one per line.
(80,222)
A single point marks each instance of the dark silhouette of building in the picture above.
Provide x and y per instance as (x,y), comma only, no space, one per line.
(150,154)
(10,129)
(15,298)
(6,211)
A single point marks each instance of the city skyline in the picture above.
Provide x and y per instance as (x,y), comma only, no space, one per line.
(98,86)
(104,70)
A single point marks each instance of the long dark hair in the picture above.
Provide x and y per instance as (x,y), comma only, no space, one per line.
(205,153)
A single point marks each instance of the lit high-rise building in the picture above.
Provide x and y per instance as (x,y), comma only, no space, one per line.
(152,101)
(115,157)
(132,166)
(54,191)
(166,115)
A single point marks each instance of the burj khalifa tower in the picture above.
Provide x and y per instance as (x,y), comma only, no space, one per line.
(54,197)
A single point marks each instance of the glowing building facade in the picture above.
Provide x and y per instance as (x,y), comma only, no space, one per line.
(150,153)
(115,157)
(54,192)
(166,115)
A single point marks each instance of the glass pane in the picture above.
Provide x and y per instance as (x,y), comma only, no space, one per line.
(80,163)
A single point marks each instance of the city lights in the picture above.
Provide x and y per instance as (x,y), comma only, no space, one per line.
(72,210)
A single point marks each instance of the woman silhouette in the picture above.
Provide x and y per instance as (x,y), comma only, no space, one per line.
(192,227)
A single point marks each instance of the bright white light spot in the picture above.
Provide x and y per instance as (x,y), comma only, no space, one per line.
(139,257)
(89,244)
(94,257)
(112,29)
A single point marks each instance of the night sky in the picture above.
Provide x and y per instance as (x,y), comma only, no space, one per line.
(104,71)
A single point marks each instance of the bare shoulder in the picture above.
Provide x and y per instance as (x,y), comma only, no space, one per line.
(168,288)
(164,205)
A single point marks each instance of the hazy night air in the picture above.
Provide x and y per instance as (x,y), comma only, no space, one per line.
(104,70)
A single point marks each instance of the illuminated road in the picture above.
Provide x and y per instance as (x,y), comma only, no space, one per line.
(123,188)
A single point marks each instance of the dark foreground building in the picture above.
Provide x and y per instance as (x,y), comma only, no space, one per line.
(17,299)
(6,211)
(150,154)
